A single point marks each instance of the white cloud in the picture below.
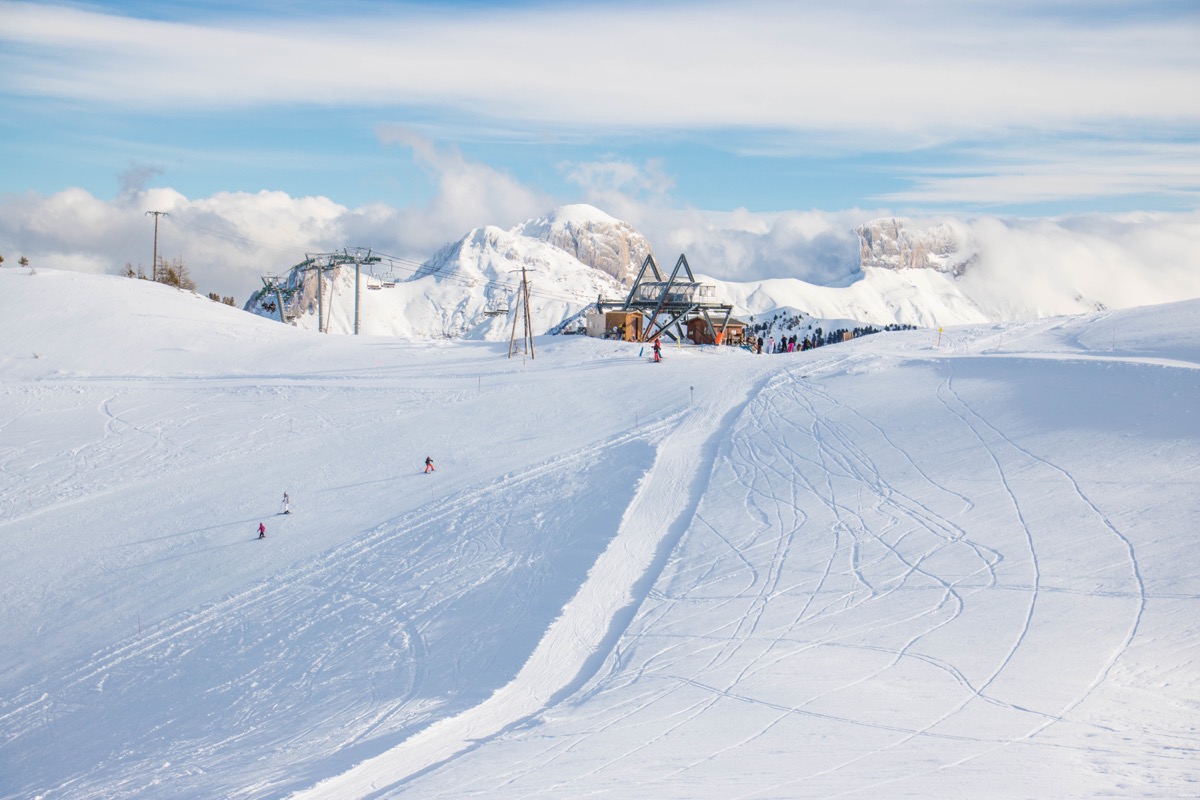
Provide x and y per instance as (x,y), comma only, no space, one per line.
(621,187)
(1041,267)
(231,238)
(815,246)
(468,194)
(1004,175)
(890,72)
(1027,267)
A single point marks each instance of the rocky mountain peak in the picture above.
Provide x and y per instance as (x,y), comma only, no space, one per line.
(896,244)
(592,237)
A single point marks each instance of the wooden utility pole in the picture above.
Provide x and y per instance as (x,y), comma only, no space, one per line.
(154,269)
(523,310)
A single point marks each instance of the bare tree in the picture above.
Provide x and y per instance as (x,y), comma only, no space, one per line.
(177,274)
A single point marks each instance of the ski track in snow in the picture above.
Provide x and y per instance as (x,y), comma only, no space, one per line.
(391,567)
(885,544)
(802,587)
(663,503)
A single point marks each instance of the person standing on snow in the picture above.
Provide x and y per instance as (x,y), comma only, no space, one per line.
(657,351)
(262,531)
(429,465)
(287,505)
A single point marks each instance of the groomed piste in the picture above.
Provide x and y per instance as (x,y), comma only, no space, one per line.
(894,567)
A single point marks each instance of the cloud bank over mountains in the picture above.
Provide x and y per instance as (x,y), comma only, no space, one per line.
(228,240)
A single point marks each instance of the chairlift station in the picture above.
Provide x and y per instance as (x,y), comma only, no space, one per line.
(658,306)
(676,306)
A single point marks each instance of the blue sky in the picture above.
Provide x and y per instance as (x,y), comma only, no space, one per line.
(962,107)
(764,106)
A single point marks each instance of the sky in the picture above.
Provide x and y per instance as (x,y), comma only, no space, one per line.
(415,122)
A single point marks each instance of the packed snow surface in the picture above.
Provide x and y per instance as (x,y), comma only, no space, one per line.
(918,564)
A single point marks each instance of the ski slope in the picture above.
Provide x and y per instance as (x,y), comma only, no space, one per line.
(894,567)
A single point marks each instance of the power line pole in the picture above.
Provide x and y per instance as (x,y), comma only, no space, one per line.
(523,302)
(154,268)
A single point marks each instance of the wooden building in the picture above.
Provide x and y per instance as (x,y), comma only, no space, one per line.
(625,325)
(731,332)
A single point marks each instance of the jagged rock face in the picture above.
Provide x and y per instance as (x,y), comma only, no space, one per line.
(593,238)
(894,244)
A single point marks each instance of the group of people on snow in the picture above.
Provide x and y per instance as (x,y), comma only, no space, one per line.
(786,344)
(286,506)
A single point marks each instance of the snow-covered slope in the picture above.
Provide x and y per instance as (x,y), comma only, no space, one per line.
(895,567)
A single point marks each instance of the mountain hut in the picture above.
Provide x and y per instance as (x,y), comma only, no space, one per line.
(731,332)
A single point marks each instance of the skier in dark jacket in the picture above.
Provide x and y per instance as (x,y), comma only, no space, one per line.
(657,351)
(429,464)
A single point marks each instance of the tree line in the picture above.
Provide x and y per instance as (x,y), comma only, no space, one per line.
(174,273)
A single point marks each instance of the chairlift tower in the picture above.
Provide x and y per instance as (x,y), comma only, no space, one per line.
(324,262)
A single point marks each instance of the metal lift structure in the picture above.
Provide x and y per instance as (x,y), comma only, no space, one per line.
(322,263)
(671,302)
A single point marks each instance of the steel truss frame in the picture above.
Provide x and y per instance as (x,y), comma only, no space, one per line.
(677,307)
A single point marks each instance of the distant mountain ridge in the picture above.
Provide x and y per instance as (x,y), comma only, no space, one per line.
(930,276)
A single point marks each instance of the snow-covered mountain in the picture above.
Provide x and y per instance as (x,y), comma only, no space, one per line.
(921,297)
(939,274)
(469,288)
(614,247)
